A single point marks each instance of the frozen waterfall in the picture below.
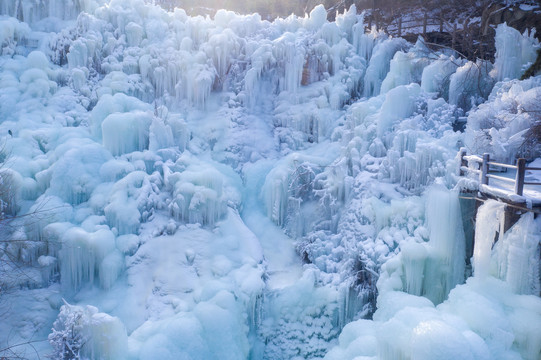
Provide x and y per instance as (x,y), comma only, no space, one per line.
(227,187)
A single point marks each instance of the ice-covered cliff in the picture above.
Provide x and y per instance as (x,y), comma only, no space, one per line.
(233,188)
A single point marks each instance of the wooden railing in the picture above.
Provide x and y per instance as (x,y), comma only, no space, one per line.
(397,26)
(485,174)
(460,36)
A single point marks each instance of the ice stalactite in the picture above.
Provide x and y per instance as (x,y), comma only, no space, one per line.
(31,12)
(48,209)
(446,267)
(127,132)
(13,33)
(514,52)
(364,41)
(436,75)
(379,65)
(11,183)
(470,84)
(513,256)
(517,256)
(487,230)
(86,257)
(292,55)
(391,114)
(431,269)
(291,183)
(222,48)
(198,198)
(200,193)
(406,67)
(156,136)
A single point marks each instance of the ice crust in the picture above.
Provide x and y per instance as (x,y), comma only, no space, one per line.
(233,188)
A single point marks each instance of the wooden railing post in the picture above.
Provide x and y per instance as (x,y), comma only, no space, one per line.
(519,179)
(463,162)
(453,41)
(425,20)
(484,169)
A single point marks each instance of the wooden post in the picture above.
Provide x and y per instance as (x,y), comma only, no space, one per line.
(463,162)
(453,41)
(374,15)
(441,24)
(484,169)
(399,26)
(519,179)
(481,50)
(510,217)
(425,20)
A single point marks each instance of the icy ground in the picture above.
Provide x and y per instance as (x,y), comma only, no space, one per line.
(178,187)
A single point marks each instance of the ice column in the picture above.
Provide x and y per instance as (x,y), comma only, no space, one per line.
(514,52)
(516,256)
(487,229)
(445,268)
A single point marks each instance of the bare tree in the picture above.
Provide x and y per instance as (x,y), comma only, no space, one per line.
(17,269)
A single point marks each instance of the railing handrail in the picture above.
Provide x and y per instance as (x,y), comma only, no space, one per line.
(398,24)
(507,166)
(484,170)
(475,158)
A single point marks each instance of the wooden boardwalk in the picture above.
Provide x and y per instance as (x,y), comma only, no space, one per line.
(510,184)
(504,182)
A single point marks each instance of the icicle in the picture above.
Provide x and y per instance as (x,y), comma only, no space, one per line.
(470,83)
(81,258)
(446,266)
(292,59)
(487,230)
(199,196)
(513,52)
(380,64)
(414,257)
(516,256)
(436,76)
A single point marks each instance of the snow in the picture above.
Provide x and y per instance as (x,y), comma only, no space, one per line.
(232,188)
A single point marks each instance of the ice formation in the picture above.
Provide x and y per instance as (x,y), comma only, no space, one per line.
(233,188)
(85,332)
(520,50)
